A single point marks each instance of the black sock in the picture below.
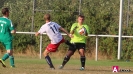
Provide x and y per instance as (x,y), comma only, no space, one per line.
(66,59)
(82,59)
(48,59)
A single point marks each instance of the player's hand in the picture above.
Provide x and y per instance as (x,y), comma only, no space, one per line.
(71,36)
(37,34)
(13,31)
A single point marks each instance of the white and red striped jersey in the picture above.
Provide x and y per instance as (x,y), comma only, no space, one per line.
(52,30)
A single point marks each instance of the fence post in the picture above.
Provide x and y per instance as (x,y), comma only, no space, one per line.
(120,30)
(96,54)
(33,12)
(80,7)
(40,46)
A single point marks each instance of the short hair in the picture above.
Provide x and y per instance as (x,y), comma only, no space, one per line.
(4,11)
(82,16)
(47,17)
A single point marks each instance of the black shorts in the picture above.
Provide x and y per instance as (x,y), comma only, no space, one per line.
(77,46)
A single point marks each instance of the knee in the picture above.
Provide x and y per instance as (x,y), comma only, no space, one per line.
(10,52)
(45,53)
(70,53)
(82,53)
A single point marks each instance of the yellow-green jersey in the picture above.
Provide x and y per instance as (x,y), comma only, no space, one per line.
(5,29)
(77,37)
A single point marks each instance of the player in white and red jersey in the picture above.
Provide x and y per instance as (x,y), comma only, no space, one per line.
(52,30)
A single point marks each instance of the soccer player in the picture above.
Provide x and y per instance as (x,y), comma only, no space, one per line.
(79,42)
(6,28)
(52,30)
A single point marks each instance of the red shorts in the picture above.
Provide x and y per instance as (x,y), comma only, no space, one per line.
(54,47)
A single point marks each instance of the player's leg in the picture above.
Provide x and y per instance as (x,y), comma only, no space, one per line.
(8,46)
(82,58)
(11,58)
(70,52)
(66,58)
(9,55)
(5,56)
(48,59)
(2,62)
(10,52)
(51,48)
(82,55)
(69,44)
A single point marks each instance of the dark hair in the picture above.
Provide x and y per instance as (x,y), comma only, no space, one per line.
(4,11)
(82,16)
(47,17)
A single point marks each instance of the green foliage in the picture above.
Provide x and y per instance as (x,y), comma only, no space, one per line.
(21,42)
(102,16)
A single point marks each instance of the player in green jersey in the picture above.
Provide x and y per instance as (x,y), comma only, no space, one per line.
(79,42)
(6,28)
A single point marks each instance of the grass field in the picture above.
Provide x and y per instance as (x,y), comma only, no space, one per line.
(34,65)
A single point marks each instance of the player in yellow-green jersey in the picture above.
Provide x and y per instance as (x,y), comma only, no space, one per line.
(78,41)
(6,28)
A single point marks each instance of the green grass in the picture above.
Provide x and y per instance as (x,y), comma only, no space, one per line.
(31,65)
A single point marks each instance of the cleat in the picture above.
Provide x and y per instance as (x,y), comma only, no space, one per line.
(82,68)
(2,62)
(52,68)
(13,66)
(61,67)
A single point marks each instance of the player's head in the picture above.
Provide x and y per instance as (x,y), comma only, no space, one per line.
(47,17)
(80,19)
(5,12)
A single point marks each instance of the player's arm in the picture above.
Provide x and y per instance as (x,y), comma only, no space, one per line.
(87,30)
(37,33)
(62,29)
(11,27)
(65,31)
(42,29)
(73,28)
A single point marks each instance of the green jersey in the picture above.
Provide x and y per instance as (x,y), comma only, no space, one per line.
(5,29)
(77,37)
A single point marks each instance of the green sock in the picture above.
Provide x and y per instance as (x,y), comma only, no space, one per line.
(12,61)
(6,56)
